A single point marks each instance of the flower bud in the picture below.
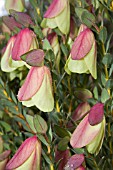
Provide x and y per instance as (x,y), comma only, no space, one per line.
(84,133)
(83,54)
(56,15)
(28,155)
(17,5)
(37,89)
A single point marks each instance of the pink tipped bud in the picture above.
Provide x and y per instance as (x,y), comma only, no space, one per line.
(96,114)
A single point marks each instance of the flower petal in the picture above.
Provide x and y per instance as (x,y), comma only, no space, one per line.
(90,61)
(77,66)
(82,44)
(84,133)
(21,155)
(61,18)
(22,43)
(95,145)
(32,83)
(96,114)
(43,99)
(55,8)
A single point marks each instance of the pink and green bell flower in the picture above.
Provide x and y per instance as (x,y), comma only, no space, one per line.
(83,54)
(88,135)
(56,15)
(17,45)
(37,89)
(7,63)
(28,156)
(17,5)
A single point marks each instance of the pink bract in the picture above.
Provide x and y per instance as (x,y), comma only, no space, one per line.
(82,44)
(55,8)
(96,114)
(22,43)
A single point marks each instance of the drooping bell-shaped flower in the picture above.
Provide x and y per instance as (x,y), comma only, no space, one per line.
(4,157)
(83,54)
(17,5)
(27,156)
(7,64)
(37,89)
(25,41)
(85,135)
(58,15)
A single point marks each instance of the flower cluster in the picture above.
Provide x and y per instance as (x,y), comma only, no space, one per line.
(42,58)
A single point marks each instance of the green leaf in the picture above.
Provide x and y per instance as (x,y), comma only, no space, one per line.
(79,11)
(42,139)
(61,132)
(103,35)
(46,157)
(63,144)
(30,121)
(64,49)
(46,45)
(103,79)
(6,126)
(88,18)
(104,95)
(95,92)
(107,59)
(111,70)
(40,124)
